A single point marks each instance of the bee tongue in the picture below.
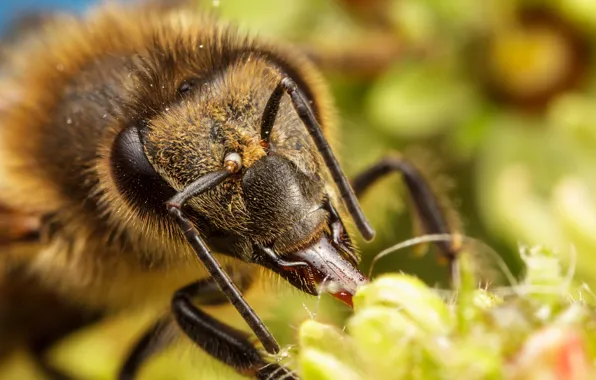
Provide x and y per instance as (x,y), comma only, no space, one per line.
(331,269)
(345,297)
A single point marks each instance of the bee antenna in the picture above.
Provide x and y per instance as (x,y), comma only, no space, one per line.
(270,113)
(314,129)
(215,270)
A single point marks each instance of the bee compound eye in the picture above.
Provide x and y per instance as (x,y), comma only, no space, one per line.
(233,162)
(134,176)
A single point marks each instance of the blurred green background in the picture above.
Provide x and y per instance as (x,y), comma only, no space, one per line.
(494,100)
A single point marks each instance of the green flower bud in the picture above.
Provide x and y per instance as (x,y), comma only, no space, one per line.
(412,297)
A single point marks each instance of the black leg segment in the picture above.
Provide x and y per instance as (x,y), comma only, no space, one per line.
(424,201)
(225,343)
(161,333)
(216,272)
(157,338)
(219,340)
(314,129)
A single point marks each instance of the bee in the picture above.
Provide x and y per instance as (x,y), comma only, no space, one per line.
(161,157)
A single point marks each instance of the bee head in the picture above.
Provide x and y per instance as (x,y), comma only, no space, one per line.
(275,210)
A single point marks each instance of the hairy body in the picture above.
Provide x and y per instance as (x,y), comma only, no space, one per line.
(83,81)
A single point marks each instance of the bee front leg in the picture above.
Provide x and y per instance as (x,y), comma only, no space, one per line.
(424,202)
(219,340)
(154,340)
(225,343)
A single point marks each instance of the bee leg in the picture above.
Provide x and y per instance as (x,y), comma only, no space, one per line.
(204,292)
(160,334)
(221,341)
(424,201)
(227,344)
(155,339)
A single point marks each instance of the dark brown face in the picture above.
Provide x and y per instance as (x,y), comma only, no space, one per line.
(288,223)
(275,211)
(312,250)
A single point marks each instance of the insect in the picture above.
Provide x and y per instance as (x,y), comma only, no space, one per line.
(153,157)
